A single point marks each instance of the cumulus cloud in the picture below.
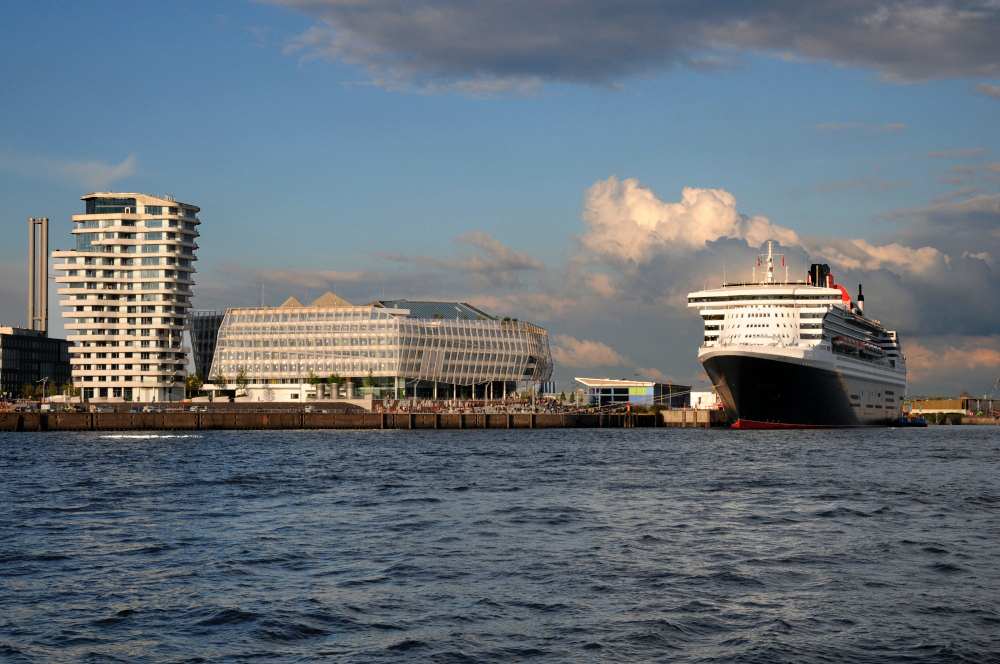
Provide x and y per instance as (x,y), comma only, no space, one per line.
(627,223)
(577,353)
(858,254)
(924,360)
(653,374)
(484,45)
(90,174)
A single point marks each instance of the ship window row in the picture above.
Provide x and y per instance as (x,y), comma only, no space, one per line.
(762,315)
(745,298)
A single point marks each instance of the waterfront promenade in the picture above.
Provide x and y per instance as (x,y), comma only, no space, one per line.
(288,419)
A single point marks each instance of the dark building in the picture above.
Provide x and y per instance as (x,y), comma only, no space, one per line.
(29,356)
(204,333)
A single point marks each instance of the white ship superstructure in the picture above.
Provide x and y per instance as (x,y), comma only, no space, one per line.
(783,353)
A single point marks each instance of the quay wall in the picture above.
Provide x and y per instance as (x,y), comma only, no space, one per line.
(41,421)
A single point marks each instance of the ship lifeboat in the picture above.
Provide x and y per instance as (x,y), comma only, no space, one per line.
(871,350)
(846,345)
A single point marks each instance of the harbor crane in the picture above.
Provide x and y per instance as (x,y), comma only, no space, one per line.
(993,389)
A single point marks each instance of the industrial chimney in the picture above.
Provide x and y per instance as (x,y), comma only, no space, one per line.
(38,274)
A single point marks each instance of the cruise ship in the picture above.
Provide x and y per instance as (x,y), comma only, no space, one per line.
(798,354)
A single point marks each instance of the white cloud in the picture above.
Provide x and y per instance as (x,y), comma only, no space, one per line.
(858,254)
(91,175)
(924,360)
(627,223)
(572,352)
(653,374)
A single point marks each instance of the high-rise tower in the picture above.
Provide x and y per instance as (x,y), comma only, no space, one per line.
(127,291)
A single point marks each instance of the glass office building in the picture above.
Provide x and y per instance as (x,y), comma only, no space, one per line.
(388,348)
(31,356)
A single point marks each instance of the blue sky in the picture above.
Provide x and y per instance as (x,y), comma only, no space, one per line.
(532,158)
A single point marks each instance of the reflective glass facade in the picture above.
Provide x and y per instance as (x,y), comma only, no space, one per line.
(283,345)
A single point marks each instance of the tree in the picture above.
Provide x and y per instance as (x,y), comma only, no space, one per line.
(370,378)
(336,379)
(69,390)
(572,397)
(28,391)
(192,384)
(314,380)
(562,397)
(52,390)
(220,381)
(241,381)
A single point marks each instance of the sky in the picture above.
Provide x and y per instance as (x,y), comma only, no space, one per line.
(581,165)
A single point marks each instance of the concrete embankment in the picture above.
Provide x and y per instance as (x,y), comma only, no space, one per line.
(40,421)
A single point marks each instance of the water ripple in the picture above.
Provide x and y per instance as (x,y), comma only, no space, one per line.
(496,546)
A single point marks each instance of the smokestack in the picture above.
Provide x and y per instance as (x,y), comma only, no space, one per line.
(38,274)
(861,301)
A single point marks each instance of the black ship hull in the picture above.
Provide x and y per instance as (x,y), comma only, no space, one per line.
(760,392)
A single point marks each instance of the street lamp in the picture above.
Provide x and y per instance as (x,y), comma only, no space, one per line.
(43,382)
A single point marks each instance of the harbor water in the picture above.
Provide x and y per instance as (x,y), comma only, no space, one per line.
(560,545)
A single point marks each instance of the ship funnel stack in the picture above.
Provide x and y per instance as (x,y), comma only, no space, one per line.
(861,301)
(820,275)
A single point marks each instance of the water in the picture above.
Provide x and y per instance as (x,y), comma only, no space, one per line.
(634,545)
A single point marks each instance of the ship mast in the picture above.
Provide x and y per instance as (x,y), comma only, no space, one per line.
(770,264)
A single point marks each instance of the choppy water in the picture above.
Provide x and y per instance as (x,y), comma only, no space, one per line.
(495,546)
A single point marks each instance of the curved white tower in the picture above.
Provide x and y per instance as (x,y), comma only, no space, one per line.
(127,291)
